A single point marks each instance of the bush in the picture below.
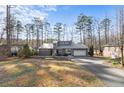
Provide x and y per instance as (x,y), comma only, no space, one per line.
(4,50)
(91,51)
(34,53)
(24,52)
(115,61)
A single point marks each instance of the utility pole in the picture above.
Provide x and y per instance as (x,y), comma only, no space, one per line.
(8,29)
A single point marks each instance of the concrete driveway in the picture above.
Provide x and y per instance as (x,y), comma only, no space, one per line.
(112,77)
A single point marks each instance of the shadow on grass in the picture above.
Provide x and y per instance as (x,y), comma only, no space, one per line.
(52,74)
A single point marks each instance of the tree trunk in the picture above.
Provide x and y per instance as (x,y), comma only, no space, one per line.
(41,35)
(37,38)
(99,38)
(81,37)
(122,40)
(58,36)
(84,37)
(106,41)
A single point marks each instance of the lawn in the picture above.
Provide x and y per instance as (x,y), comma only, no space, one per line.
(116,63)
(48,72)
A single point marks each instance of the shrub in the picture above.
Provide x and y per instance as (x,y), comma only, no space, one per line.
(115,61)
(34,52)
(24,52)
(20,54)
(4,50)
(91,51)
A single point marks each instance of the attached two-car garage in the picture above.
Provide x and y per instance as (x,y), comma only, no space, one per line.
(79,52)
(73,50)
(45,52)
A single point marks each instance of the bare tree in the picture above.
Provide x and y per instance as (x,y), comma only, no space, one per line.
(37,22)
(98,28)
(105,23)
(2,34)
(19,29)
(58,30)
(32,28)
(117,27)
(27,28)
(46,30)
(121,27)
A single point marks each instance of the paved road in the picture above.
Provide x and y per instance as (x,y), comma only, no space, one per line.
(112,77)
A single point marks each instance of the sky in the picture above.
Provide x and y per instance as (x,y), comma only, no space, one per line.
(66,14)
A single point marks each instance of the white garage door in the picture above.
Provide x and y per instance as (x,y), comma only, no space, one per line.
(79,52)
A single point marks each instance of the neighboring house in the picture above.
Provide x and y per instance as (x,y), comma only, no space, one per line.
(65,48)
(3,50)
(112,51)
(46,49)
(14,49)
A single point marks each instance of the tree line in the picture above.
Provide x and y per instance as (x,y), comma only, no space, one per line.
(86,29)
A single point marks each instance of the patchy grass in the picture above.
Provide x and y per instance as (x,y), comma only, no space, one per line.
(48,72)
(116,63)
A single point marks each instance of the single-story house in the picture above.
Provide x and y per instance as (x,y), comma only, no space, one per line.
(46,49)
(65,48)
(112,51)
